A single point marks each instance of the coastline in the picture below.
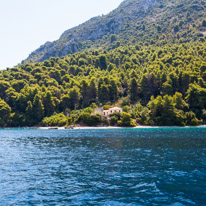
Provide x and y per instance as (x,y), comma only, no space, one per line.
(103,127)
(116,127)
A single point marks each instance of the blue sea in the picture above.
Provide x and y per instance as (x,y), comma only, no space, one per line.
(156,166)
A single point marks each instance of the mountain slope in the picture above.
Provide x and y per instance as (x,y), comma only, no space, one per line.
(134,21)
(163,85)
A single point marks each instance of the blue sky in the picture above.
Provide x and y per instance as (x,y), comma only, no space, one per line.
(27,24)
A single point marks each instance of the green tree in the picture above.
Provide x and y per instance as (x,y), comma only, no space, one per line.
(196,98)
(74,95)
(5,113)
(113,90)
(102,62)
(168,116)
(167,88)
(55,120)
(90,119)
(38,109)
(179,102)
(163,112)
(85,92)
(126,120)
(133,90)
(29,109)
(103,93)
(145,92)
(92,90)
(49,104)
(18,85)
(4,85)
(65,102)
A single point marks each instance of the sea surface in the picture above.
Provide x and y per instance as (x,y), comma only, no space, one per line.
(157,166)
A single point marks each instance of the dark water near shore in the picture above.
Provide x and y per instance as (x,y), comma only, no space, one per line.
(164,166)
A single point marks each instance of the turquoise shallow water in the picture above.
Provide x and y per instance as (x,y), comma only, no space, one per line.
(164,166)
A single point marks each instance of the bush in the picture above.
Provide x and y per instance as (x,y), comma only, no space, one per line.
(93,106)
(55,120)
(88,110)
(116,114)
(106,107)
(191,118)
(105,121)
(126,108)
(143,116)
(114,120)
(90,119)
(126,120)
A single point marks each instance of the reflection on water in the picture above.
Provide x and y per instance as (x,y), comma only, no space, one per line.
(103,167)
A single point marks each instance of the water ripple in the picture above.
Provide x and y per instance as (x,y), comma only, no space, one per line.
(103,167)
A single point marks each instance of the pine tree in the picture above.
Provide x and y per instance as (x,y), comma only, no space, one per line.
(38,108)
(133,90)
(49,104)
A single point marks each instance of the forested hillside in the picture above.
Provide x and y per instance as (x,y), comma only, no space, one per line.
(155,22)
(155,85)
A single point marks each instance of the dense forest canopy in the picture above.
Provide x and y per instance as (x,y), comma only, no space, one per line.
(153,65)
(155,85)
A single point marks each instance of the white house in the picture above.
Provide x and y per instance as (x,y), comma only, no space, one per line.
(107,112)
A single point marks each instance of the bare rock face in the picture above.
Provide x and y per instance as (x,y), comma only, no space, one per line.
(133,21)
